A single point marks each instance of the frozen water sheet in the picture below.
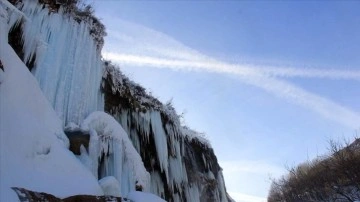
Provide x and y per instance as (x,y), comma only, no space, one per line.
(67,65)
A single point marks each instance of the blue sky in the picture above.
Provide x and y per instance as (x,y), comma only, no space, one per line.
(269,82)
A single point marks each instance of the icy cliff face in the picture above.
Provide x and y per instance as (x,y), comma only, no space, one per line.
(182,164)
(163,156)
(66,60)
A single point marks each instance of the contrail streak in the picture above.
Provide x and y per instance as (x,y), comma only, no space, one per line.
(244,70)
(156,48)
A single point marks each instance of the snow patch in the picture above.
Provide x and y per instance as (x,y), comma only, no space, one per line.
(71,127)
(110,186)
(137,196)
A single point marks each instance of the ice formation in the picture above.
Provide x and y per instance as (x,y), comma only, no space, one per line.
(180,161)
(115,151)
(110,186)
(67,64)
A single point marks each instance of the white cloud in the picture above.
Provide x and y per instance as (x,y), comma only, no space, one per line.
(311,73)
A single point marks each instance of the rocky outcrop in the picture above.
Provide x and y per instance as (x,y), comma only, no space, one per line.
(78,138)
(32,196)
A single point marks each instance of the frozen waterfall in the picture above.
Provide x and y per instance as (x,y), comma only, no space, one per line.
(68,65)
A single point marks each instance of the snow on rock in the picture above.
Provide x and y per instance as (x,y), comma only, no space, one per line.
(117,155)
(137,196)
(33,147)
(71,127)
(110,186)
(68,65)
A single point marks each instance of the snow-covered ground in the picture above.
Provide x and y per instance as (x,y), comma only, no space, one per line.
(137,196)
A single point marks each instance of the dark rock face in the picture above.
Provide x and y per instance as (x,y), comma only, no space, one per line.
(78,138)
(32,196)
(17,43)
(199,160)
(1,66)
(27,195)
(15,40)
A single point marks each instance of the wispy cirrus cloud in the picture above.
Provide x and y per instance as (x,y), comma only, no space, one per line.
(141,46)
(222,67)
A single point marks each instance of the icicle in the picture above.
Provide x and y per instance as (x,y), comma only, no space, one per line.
(192,194)
(160,141)
(157,185)
(117,155)
(94,152)
(221,189)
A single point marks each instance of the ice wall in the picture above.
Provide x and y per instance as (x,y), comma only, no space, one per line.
(67,64)
(181,162)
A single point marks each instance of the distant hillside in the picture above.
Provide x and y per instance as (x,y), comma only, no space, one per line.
(335,177)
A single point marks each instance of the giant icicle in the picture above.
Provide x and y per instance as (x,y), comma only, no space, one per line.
(68,64)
